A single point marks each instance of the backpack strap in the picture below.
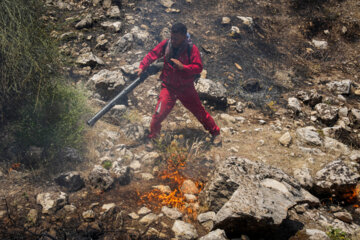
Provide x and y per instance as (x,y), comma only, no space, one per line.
(190,46)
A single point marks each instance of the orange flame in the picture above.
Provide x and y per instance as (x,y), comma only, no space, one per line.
(156,199)
(352,196)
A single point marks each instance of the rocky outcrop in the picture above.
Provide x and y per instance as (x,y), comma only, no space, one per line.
(336,178)
(100,178)
(211,91)
(251,195)
(71,180)
(52,201)
(107,83)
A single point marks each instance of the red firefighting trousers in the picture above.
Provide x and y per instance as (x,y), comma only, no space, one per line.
(190,99)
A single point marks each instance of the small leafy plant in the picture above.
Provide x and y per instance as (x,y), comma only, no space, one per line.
(337,234)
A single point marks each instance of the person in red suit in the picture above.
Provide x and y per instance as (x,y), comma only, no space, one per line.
(182,62)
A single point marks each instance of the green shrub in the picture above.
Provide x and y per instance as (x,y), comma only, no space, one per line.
(40,107)
(28,56)
(337,234)
(56,121)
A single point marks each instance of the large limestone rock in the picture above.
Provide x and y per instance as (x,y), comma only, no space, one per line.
(167,3)
(340,87)
(247,195)
(85,22)
(134,131)
(141,37)
(123,44)
(70,180)
(112,26)
(52,201)
(336,178)
(294,104)
(184,230)
(107,83)
(122,173)
(210,90)
(89,59)
(309,135)
(218,234)
(100,178)
(311,98)
(113,12)
(327,114)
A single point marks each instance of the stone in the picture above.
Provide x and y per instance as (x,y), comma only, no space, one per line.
(52,201)
(343,112)
(336,178)
(166,3)
(320,44)
(99,177)
(234,31)
(225,21)
(32,216)
(344,216)
(148,219)
(134,216)
(207,216)
(249,194)
(107,83)
(240,107)
(285,139)
(144,210)
(151,158)
(184,231)
(294,104)
(248,21)
(172,213)
(218,234)
(327,114)
(89,59)
(101,43)
(88,215)
(106,4)
(211,91)
(123,174)
(315,234)
(163,189)
(141,37)
(70,180)
(123,44)
(68,36)
(355,117)
(340,87)
(189,187)
(190,197)
(355,156)
(134,132)
(309,135)
(107,207)
(70,208)
(86,22)
(147,176)
(112,26)
(228,118)
(334,146)
(113,12)
(304,177)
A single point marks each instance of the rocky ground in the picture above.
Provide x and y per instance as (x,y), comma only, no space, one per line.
(281,81)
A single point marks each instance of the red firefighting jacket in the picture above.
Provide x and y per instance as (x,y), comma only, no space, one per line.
(172,77)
